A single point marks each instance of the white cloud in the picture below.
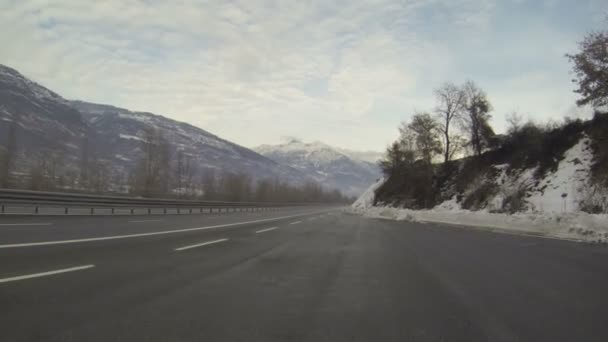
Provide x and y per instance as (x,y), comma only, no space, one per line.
(344,72)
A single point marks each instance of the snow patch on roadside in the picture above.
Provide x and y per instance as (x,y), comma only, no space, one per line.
(563,190)
(567,225)
(575,226)
(366,200)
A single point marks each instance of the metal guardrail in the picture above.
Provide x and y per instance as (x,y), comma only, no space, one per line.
(38,202)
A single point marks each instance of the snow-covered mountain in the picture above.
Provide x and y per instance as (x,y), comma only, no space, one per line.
(48,123)
(41,117)
(345,170)
(368,156)
(122,131)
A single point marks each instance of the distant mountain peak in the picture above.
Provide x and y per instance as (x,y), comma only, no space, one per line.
(10,76)
(330,166)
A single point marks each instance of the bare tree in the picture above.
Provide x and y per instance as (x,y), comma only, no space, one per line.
(407,138)
(10,154)
(184,174)
(38,177)
(514,122)
(85,158)
(396,159)
(189,172)
(98,176)
(209,183)
(428,144)
(263,190)
(3,171)
(180,171)
(237,187)
(475,121)
(591,69)
(401,153)
(44,172)
(152,174)
(451,102)
(94,173)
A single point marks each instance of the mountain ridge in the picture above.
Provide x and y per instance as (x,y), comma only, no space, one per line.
(48,124)
(326,164)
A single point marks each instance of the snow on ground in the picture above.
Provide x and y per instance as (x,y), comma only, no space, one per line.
(558,192)
(366,200)
(569,181)
(121,157)
(576,226)
(552,222)
(131,137)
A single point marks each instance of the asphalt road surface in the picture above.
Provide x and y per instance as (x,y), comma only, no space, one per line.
(313,274)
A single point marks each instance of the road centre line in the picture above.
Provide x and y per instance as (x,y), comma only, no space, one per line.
(142,221)
(116,237)
(200,244)
(24,224)
(296,222)
(266,230)
(44,274)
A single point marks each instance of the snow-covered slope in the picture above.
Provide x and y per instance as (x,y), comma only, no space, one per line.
(325,164)
(366,200)
(41,117)
(557,192)
(48,123)
(551,204)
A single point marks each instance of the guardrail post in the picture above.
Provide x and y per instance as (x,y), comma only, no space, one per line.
(3,208)
(92,211)
(36,210)
(66,210)
(165,211)
(201,210)
(190,210)
(149,211)
(178,211)
(132,211)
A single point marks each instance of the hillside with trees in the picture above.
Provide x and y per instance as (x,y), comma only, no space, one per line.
(451,156)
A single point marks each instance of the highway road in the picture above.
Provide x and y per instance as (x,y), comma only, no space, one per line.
(308,274)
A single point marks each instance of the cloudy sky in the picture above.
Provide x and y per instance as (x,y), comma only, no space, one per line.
(343,72)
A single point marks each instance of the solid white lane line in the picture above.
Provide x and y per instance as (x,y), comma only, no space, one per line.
(296,222)
(44,274)
(24,224)
(265,230)
(116,237)
(200,244)
(142,221)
